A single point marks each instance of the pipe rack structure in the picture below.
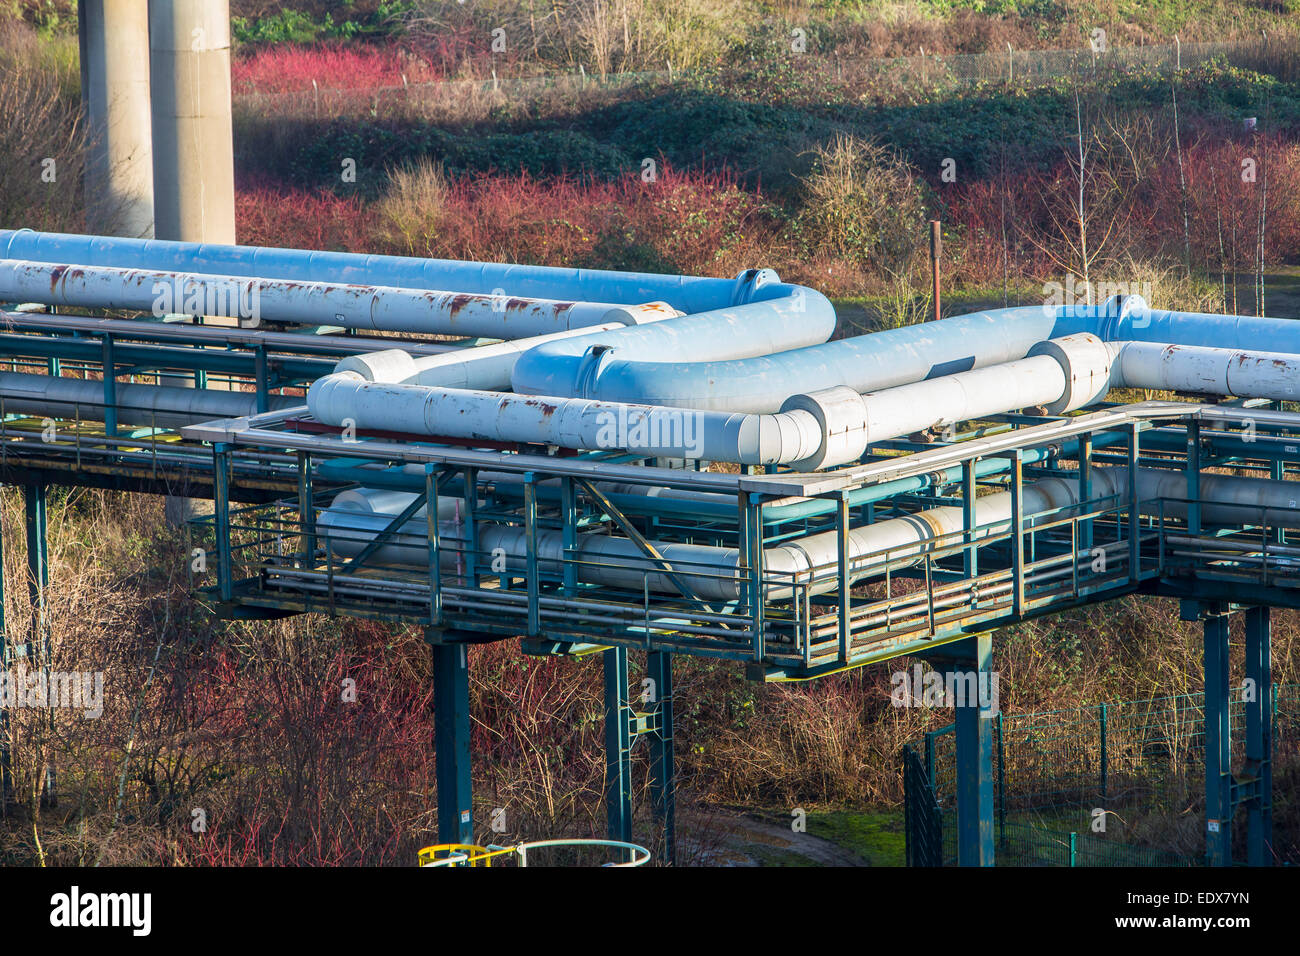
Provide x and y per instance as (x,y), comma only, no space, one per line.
(669,465)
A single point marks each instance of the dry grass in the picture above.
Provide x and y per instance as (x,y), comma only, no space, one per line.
(863,202)
(412,209)
(41,137)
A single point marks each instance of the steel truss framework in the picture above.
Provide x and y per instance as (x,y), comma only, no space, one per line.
(272,476)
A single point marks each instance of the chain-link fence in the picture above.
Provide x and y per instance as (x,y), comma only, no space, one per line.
(1136,765)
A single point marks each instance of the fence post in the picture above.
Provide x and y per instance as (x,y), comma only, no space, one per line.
(1074,849)
(1002,783)
(1102,714)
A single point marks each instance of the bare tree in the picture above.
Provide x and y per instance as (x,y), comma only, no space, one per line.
(1084,222)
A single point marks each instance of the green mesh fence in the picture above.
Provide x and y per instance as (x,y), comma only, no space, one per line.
(1137,765)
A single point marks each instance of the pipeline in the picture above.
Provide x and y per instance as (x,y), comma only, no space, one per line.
(159,406)
(716,573)
(686,294)
(353,306)
(878,360)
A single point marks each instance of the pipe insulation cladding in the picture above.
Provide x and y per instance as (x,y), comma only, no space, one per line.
(1206,370)
(788,438)
(353,306)
(686,294)
(815,430)
(871,362)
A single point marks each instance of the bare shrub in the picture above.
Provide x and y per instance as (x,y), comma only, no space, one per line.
(863,202)
(413,208)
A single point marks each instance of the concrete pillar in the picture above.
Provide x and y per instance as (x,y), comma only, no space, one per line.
(193,155)
(114,37)
(193,147)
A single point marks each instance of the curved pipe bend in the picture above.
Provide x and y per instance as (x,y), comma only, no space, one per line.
(781,317)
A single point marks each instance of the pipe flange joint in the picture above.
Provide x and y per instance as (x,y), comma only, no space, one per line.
(749,281)
(1085,362)
(593,363)
(1118,308)
(841,415)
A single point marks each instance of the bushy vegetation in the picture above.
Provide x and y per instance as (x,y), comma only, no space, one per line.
(773,161)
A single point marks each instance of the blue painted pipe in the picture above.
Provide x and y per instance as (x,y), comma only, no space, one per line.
(685,293)
(866,363)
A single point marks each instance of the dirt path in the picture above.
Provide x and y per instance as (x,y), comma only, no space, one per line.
(722,838)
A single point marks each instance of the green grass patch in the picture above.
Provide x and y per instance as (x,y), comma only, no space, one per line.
(874,835)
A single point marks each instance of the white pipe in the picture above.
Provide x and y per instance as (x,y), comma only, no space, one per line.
(389,504)
(815,430)
(485,366)
(1204,370)
(796,436)
(370,307)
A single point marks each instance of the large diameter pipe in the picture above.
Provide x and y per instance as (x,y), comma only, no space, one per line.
(794,436)
(684,377)
(792,317)
(968,395)
(193,147)
(368,307)
(1132,320)
(885,359)
(1226,499)
(814,430)
(114,37)
(482,367)
(686,294)
(1207,370)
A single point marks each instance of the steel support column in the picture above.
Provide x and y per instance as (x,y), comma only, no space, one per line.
(306,510)
(1134,509)
(844,587)
(1218,742)
(1259,738)
(38,570)
(221,518)
(659,669)
(618,746)
(431,479)
(974,731)
(451,742)
(530,556)
(37,648)
(1018,532)
(1085,492)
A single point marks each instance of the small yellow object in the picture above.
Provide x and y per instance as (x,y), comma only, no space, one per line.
(447,854)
